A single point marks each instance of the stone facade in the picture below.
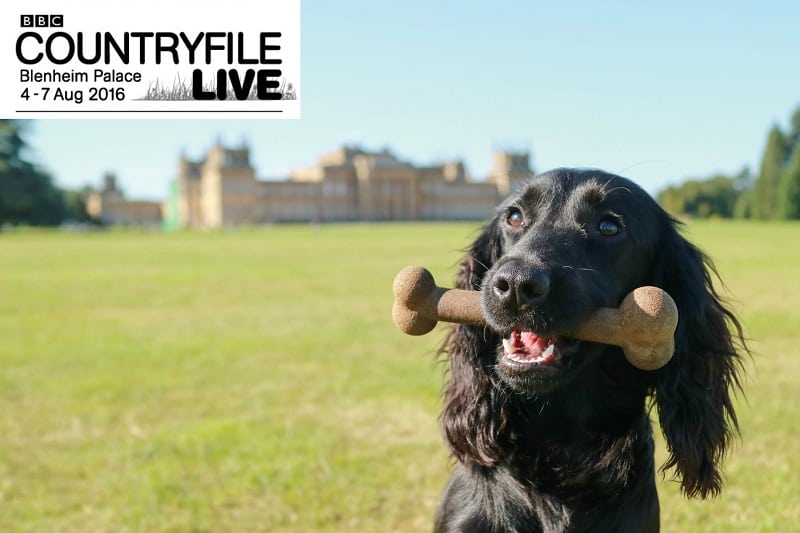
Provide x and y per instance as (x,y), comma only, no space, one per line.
(110,206)
(348,184)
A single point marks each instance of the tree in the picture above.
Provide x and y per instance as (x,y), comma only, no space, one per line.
(789,191)
(27,194)
(794,132)
(774,194)
(717,196)
(75,203)
(743,182)
(765,194)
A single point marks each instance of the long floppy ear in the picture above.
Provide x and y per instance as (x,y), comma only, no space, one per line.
(694,391)
(473,418)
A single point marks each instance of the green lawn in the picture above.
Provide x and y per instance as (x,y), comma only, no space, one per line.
(253,381)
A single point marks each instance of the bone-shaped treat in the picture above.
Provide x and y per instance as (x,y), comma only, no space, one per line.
(643,325)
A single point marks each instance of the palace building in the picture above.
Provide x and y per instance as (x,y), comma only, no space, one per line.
(349,184)
(110,206)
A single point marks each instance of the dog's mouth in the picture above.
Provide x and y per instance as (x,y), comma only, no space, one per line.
(525,349)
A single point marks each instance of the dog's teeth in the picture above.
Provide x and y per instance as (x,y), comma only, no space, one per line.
(549,351)
(507,346)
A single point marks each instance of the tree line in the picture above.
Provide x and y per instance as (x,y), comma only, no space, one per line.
(28,195)
(773,194)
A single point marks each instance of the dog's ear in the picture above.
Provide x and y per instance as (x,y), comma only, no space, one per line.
(694,391)
(473,417)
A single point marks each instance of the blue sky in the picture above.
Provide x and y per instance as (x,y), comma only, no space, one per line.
(656,91)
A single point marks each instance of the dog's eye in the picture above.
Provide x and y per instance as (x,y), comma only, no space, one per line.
(608,227)
(515,218)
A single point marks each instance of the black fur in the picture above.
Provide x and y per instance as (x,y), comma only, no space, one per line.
(569,446)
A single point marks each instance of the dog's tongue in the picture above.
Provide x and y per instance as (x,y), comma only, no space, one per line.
(527,346)
(532,342)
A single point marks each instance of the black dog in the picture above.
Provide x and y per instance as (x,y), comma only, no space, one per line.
(552,433)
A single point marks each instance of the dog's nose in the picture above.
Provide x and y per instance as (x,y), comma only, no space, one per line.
(518,287)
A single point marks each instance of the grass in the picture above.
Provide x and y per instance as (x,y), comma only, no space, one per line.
(253,381)
(182,90)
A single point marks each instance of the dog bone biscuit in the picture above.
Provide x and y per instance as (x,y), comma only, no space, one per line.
(644,324)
